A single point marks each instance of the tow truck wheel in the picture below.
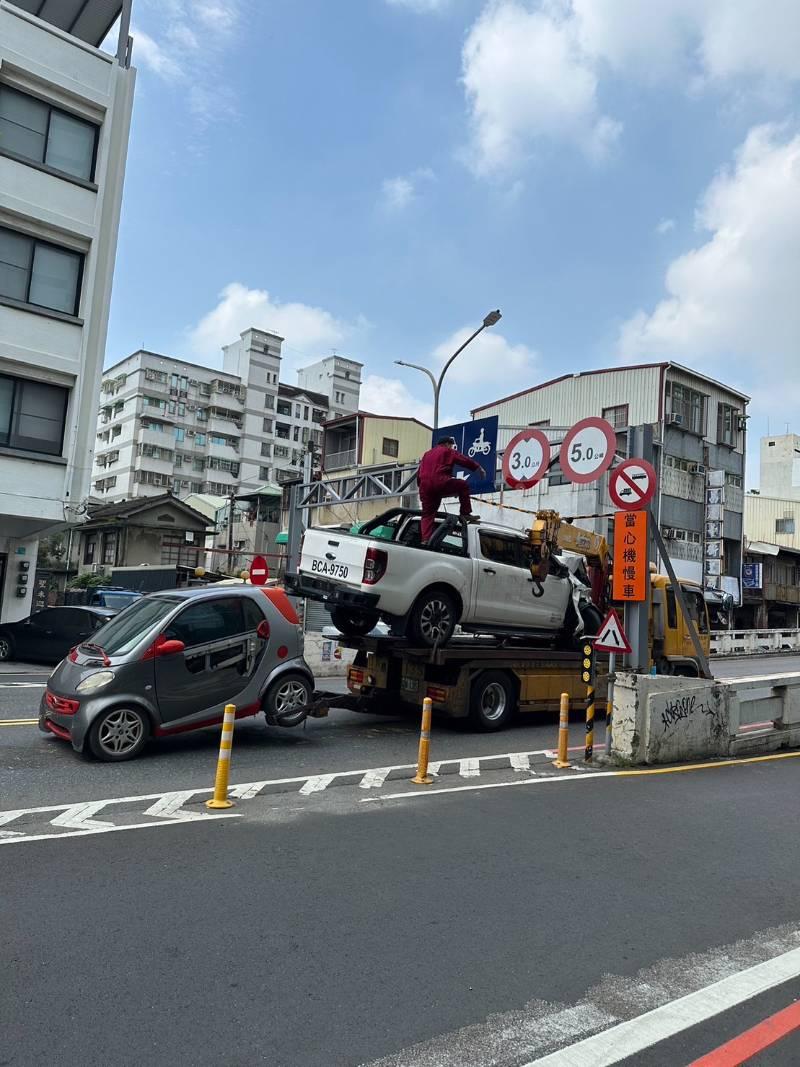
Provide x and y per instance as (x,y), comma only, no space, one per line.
(433,618)
(353,623)
(493,701)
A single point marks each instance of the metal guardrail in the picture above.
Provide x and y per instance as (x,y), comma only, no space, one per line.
(754,642)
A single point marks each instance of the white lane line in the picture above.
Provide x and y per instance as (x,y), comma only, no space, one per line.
(520,761)
(491,785)
(374,779)
(13,833)
(469,768)
(247,791)
(433,769)
(317,783)
(79,817)
(170,805)
(23,685)
(115,829)
(628,1038)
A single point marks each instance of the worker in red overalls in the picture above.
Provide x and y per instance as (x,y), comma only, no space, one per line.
(436,481)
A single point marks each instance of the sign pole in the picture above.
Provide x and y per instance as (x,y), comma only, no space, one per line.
(612,666)
(637,615)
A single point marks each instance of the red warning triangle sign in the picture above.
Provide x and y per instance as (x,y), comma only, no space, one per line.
(611,637)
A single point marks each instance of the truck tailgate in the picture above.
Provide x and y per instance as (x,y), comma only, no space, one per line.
(337,557)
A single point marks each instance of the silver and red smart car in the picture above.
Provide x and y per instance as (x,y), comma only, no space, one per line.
(172,661)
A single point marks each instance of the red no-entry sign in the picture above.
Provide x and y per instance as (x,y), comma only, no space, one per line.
(632,485)
(259,571)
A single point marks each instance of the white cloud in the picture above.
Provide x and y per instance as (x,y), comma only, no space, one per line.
(731,302)
(193,35)
(532,69)
(390,396)
(665,226)
(525,78)
(311,330)
(397,193)
(489,358)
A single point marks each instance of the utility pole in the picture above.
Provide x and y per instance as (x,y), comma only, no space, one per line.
(231,510)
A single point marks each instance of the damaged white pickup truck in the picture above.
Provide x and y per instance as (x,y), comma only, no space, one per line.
(477,577)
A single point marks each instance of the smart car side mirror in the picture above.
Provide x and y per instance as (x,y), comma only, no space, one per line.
(169,648)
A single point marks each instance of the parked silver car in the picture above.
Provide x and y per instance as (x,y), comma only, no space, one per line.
(171,662)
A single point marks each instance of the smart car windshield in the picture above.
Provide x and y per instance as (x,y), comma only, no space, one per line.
(124,632)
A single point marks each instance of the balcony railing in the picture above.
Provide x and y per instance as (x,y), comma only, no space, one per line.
(337,461)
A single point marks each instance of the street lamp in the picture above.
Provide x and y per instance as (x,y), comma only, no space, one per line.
(490,320)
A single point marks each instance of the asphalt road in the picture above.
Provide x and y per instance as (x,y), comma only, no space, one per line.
(323,931)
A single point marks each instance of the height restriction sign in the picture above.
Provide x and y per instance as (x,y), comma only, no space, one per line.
(632,485)
(630,557)
(588,450)
(526,459)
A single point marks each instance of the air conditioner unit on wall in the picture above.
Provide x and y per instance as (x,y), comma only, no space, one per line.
(675,420)
(697,468)
(668,533)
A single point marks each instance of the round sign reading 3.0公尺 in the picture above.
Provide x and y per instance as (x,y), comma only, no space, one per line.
(526,459)
(588,450)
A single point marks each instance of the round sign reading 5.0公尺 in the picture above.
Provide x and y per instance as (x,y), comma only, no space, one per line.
(588,450)
(526,459)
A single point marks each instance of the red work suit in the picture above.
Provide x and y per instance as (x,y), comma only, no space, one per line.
(436,481)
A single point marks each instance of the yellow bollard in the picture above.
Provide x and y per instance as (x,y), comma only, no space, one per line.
(563,733)
(422,777)
(220,798)
(589,751)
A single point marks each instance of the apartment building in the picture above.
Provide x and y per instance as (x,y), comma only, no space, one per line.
(700,435)
(168,424)
(65,109)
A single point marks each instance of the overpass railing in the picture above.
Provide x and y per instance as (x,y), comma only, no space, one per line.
(754,642)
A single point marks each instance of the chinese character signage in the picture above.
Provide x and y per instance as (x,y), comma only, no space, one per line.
(751,575)
(631,570)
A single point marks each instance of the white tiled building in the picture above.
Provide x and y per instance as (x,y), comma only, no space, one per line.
(65,109)
(167,424)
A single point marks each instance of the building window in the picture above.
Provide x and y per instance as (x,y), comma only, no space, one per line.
(266,448)
(267,426)
(784,525)
(617,416)
(734,480)
(33,130)
(199,438)
(318,415)
(687,408)
(391,447)
(39,273)
(284,407)
(305,414)
(297,411)
(296,433)
(265,473)
(282,431)
(32,415)
(269,401)
(727,425)
(89,549)
(281,452)
(110,549)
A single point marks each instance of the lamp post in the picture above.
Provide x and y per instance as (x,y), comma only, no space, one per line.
(490,320)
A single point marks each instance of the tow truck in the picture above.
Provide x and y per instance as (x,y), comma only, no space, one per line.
(488,678)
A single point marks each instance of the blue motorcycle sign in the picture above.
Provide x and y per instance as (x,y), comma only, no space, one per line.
(478,440)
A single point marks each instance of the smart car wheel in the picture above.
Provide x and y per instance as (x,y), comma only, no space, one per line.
(6,648)
(286,698)
(118,734)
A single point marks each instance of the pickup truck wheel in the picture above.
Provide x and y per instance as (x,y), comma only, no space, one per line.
(353,623)
(433,618)
(493,701)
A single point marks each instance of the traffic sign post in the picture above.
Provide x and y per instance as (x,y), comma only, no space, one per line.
(632,485)
(526,459)
(588,450)
(259,571)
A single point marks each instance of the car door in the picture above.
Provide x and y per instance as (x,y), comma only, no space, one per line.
(498,580)
(32,638)
(217,662)
(67,628)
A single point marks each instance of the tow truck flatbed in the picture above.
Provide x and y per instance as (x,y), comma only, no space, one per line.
(485,679)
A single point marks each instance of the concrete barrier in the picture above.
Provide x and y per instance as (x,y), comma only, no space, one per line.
(754,642)
(668,720)
(321,656)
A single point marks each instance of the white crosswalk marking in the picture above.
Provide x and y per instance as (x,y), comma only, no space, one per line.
(374,779)
(469,768)
(169,806)
(79,817)
(317,784)
(248,791)
(520,761)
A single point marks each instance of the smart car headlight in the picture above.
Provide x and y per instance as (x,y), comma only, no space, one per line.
(95,681)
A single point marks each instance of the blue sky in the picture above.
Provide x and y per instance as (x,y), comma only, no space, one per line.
(621,179)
